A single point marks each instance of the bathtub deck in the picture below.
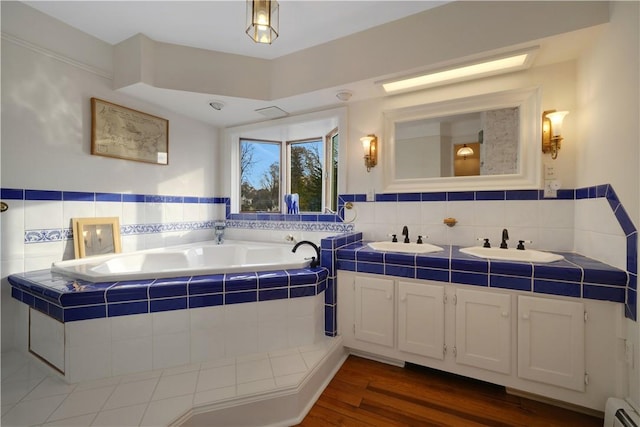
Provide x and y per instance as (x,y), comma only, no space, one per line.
(34,395)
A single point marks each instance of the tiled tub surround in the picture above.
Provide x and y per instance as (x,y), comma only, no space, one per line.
(170,322)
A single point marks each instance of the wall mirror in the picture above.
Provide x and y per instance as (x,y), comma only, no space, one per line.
(96,236)
(483,142)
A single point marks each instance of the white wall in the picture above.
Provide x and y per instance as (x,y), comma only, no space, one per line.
(46,125)
(607,127)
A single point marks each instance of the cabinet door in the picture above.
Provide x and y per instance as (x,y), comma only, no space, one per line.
(551,341)
(483,330)
(374,301)
(421,319)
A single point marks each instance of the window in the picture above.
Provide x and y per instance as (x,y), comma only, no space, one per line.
(259,176)
(311,172)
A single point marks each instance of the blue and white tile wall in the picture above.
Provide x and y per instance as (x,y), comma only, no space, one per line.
(589,220)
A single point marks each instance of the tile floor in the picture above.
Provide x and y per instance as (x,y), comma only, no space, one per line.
(32,395)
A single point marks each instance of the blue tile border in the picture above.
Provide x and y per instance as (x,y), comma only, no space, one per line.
(70,300)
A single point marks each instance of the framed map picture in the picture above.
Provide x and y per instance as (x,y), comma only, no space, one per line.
(124,133)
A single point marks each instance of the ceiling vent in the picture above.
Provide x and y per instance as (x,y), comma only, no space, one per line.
(272,112)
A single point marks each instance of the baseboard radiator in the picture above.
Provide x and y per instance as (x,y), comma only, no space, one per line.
(618,413)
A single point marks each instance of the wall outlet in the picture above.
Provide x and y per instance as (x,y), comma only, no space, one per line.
(551,187)
(371,195)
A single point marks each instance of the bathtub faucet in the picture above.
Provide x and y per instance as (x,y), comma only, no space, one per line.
(219,231)
(314,261)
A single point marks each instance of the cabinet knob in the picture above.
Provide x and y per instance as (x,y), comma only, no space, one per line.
(525,316)
(505,314)
(388,295)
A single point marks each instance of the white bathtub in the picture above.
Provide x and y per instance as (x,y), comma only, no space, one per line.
(195,259)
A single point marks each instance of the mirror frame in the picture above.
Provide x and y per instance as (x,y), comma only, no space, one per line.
(529,160)
(79,224)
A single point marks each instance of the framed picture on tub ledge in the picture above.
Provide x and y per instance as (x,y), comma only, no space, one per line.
(123,133)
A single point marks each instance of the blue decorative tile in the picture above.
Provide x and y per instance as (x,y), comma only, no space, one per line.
(432,274)
(188,199)
(566,289)
(475,265)
(469,278)
(490,195)
(12,194)
(565,273)
(56,312)
(165,289)
(273,294)
(510,282)
(346,265)
(409,197)
(522,195)
(240,282)
(84,313)
(108,197)
(609,277)
(460,195)
(582,193)
(400,271)
(601,190)
(440,196)
(632,253)
(40,304)
(432,261)
(197,301)
(302,291)
(400,258)
(167,304)
(624,221)
(133,198)
(604,293)
(330,325)
(369,267)
(42,195)
(367,255)
(78,196)
(386,197)
(128,291)
(511,268)
(127,308)
(210,284)
(272,279)
(240,297)
(633,282)
(631,307)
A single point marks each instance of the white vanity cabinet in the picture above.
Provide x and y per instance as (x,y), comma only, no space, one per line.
(539,345)
(374,301)
(483,330)
(551,341)
(421,319)
(418,320)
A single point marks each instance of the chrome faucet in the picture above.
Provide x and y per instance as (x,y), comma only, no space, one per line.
(219,227)
(314,261)
(405,233)
(505,237)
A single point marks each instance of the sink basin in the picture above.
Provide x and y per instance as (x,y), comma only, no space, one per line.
(512,254)
(412,248)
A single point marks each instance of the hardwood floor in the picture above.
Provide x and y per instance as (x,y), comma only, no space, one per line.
(368,393)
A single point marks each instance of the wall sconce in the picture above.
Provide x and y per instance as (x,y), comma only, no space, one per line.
(552,131)
(370,146)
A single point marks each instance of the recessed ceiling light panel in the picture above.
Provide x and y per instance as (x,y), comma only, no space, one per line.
(488,67)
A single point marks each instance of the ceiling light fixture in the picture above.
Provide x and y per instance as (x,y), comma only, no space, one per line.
(344,95)
(503,64)
(465,151)
(262,20)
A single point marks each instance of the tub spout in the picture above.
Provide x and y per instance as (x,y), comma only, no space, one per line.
(315,261)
